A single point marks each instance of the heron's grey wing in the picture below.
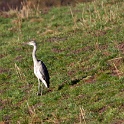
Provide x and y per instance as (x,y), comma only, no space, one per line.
(43,70)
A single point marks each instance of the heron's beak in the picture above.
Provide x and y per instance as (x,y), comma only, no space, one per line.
(26,43)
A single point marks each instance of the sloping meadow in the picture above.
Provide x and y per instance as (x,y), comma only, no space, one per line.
(83,49)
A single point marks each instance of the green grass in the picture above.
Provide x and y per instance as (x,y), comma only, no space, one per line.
(83,49)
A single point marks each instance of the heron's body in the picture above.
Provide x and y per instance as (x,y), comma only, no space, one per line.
(40,70)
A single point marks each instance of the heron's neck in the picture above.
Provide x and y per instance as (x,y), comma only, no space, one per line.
(34,54)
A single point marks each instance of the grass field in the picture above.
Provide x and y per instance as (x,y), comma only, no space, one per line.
(83,49)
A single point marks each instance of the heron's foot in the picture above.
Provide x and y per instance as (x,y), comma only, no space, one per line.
(39,94)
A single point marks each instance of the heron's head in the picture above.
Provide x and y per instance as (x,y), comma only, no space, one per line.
(33,43)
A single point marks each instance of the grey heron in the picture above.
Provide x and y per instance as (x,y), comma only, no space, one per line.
(40,70)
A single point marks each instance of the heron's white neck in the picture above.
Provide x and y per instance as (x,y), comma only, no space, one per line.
(34,54)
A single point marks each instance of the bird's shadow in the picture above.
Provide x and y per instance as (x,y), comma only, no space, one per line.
(71,83)
(75,81)
(61,86)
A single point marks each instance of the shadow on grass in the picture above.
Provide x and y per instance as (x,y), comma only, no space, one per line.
(71,83)
(75,81)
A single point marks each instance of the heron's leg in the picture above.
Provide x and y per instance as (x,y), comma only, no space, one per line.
(39,88)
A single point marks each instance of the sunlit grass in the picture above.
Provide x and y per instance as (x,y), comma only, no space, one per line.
(82,48)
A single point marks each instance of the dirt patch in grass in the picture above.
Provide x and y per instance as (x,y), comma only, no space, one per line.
(115,65)
(102,110)
(3,90)
(117,61)
(2,70)
(65,96)
(117,73)
(2,56)
(7,119)
(98,33)
(121,47)
(81,96)
(26,88)
(118,122)
(89,79)
(4,102)
(19,58)
(103,47)
(71,72)
(22,101)
(77,51)
(80,50)
(19,49)
(4,122)
(57,50)
(56,39)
